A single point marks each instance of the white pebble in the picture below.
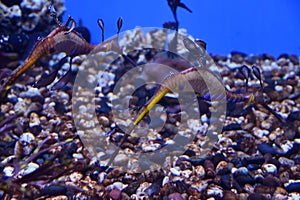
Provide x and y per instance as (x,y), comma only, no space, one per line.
(269,168)
(165,180)
(150,146)
(31,167)
(27,137)
(287,146)
(75,177)
(116,185)
(278,88)
(215,191)
(8,171)
(175,171)
(204,118)
(186,173)
(293,196)
(101,177)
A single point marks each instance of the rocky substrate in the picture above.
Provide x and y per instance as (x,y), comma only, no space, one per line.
(255,156)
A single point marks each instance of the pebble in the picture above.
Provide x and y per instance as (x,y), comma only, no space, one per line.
(121,159)
(31,167)
(117,185)
(269,168)
(215,191)
(200,171)
(34,120)
(175,196)
(31,92)
(150,146)
(115,194)
(54,190)
(27,137)
(293,187)
(165,181)
(266,148)
(175,171)
(286,162)
(75,177)
(8,171)
(286,146)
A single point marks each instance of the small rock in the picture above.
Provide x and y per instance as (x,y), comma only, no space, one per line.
(115,194)
(175,171)
(175,196)
(269,168)
(286,162)
(293,187)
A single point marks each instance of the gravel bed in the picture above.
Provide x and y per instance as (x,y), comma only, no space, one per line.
(47,136)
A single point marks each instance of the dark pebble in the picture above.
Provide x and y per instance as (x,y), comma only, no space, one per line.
(294,96)
(10,3)
(38,98)
(271,181)
(251,60)
(189,153)
(262,189)
(294,116)
(132,187)
(237,162)
(266,56)
(218,157)
(284,55)
(153,189)
(238,57)
(253,160)
(218,58)
(54,190)
(226,182)
(224,171)
(294,59)
(13,99)
(209,168)
(60,108)
(242,54)
(245,179)
(196,162)
(94,175)
(35,129)
(266,148)
(293,187)
(253,167)
(256,196)
(232,126)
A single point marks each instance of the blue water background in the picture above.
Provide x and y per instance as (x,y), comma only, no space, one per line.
(256,26)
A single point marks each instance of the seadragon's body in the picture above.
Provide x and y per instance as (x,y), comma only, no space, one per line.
(61,39)
(193,79)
